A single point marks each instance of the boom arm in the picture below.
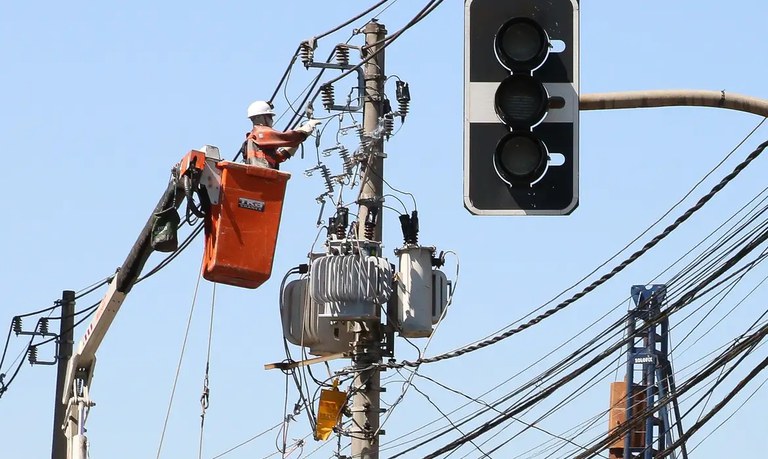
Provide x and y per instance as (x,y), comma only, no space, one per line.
(81,365)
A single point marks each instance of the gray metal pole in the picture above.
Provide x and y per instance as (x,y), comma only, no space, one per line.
(367,347)
(66,341)
(674,98)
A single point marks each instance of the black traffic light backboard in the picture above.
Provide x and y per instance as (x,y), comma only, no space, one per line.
(521,60)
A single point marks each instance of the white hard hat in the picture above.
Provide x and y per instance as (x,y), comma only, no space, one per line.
(260,107)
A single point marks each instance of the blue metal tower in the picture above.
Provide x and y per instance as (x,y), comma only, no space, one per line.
(648,355)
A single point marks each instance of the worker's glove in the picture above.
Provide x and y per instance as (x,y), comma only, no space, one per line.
(287,152)
(309,126)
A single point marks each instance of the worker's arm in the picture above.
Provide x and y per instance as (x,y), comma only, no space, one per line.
(266,137)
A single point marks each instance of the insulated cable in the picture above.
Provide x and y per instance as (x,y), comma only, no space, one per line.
(178,366)
(204,398)
(706,198)
(677,305)
(430,6)
(596,269)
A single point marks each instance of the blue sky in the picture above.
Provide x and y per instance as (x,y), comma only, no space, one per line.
(99,101)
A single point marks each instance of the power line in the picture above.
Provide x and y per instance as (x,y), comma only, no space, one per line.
(706,198)
(545,392)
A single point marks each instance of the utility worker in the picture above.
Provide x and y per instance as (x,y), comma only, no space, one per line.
(267,147)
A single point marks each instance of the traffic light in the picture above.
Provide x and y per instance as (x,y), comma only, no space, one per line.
(521,107)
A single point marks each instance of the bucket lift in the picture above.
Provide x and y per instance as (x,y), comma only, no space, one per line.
(240,206)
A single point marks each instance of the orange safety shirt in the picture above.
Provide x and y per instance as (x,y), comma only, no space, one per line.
(265,144)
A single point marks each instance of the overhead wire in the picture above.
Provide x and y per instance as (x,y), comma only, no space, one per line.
(685,299)
(239,445)
(603,333)
(713,366)
(287,71)
(178,365)
(353,19)
(752,327)
(423,13)
(445,416)
(564,304)
(729,417)
(205,396)
(615,255)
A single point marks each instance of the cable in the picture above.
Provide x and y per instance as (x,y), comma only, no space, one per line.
(731,415)
(93,287)
(748,136)
(204,398)
(260,434)
(350,21)
(283,78)
(481,402)
(706,198)
(677,305)
(430,6)
(91,310)
(724,358)
(162,264)
(4,385)
(178,366)
(445,416)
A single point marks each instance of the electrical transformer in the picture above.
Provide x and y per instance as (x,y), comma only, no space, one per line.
(352,284)
(303,325)
(422,292)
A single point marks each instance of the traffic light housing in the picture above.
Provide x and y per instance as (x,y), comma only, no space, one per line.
(521,107)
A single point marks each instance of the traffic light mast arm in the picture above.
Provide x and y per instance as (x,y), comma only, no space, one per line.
(673,98)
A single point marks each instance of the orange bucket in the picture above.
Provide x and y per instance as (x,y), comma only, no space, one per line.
(241,230)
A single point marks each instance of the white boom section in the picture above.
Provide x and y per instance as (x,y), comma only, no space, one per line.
(84,358)
(80,372)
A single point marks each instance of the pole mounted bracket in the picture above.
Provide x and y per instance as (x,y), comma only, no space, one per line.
(360,84)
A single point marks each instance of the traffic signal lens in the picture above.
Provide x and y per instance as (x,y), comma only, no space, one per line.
(521,101)
(522,44)
(520,158)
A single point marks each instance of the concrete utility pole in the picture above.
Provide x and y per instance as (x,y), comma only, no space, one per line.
(66,341)
(367,345)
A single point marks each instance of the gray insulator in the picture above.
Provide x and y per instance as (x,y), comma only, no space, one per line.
(365,140)
(307,54)
(32,354)
(328,97)
(342,55)
(389,126)
(43,326)
(349,163)
(327,177)
(403,107)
